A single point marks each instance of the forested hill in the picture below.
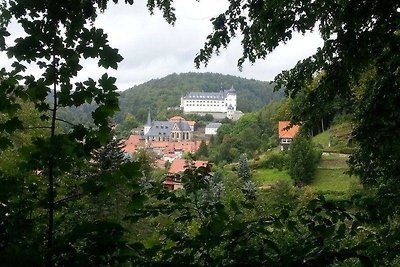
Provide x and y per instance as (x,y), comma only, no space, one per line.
(158,94)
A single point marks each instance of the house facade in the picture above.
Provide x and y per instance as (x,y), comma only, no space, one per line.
(223,102)
(286,133)
(211,128)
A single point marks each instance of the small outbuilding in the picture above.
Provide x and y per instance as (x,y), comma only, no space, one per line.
(211,128)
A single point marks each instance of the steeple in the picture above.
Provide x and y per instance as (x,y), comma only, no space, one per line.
(147,126)
(148,123)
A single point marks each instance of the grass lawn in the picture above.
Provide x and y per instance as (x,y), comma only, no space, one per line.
(335,139)
(270,176)
(330,178)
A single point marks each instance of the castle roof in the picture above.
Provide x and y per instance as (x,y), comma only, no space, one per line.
(210,95)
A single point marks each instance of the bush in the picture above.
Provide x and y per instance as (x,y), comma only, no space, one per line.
(303,160)
(278,161)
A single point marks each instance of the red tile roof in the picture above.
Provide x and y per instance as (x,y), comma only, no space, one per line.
(132,144)
(287,133)
(159,144)
(160,163)
(177,118)
(180,165)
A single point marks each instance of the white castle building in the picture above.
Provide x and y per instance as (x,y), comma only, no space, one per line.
(223,102)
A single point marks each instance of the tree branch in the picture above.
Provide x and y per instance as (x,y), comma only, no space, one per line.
(77,195)
(67,122)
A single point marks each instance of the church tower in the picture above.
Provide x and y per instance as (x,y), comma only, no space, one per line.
(147,126)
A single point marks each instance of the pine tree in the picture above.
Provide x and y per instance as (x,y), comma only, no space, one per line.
(248,187)
(303,160)
(109,157)
(203,150)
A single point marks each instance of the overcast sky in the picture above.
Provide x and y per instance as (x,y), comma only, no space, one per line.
(153,49)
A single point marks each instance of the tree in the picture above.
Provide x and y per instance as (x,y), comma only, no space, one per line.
(248,187)
(203,150)
(125,127)
(109,157)
(303,160)
(360,37)
(58,35)
(146,159)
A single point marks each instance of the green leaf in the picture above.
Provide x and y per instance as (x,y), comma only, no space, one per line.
(5,143)
(137,201)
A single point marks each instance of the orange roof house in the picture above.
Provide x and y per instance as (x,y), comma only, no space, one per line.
(178,166)
(286,133)
(132,144)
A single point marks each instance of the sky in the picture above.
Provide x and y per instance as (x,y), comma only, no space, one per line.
(153,49)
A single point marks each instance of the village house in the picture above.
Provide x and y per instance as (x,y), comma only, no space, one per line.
(178,166)
(211,128)
(286,133)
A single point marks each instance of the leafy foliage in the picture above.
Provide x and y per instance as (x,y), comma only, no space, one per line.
(251,134)
(357,65)
(303,160)
(84,213)
(58,35)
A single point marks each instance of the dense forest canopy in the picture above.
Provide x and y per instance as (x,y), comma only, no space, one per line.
(159,94)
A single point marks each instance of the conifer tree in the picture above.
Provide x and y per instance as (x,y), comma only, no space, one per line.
(248,187)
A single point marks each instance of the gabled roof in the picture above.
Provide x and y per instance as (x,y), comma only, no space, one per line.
(214,125)
(287,133)
(183,126)
(180,165)
(160,128)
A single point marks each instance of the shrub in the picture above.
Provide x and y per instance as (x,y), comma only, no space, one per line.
(278,161)
(303,160)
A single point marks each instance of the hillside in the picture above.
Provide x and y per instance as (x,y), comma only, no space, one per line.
(158,94)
